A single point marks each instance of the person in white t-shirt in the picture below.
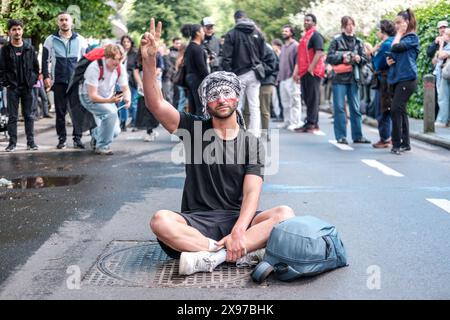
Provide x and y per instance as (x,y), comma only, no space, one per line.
(99,97)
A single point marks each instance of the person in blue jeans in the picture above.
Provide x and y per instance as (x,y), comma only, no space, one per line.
(130,61)
(443,54)
(402,77)
(98,96)
(382,95)
(346,55)
(182,99)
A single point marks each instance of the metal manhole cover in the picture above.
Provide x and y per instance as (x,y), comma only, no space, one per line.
(144,264)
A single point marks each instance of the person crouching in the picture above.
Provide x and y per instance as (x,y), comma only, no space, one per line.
(99,97)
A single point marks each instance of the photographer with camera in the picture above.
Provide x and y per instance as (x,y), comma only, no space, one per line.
(346,55)
(211,44)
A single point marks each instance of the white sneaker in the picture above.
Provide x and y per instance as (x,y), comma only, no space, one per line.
(251,259)
(150,137)
(439,124)
(104,152)
(292,127)
(193,262)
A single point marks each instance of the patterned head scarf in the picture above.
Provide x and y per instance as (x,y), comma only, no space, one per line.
(219,79)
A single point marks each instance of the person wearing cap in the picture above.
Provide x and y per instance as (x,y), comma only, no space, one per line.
(432,51)
(211,44)
(434,46)
(219,220)
(443,85)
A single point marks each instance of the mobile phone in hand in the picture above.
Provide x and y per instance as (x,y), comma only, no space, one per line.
(389,55)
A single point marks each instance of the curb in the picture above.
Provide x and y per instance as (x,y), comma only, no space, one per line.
(430,138)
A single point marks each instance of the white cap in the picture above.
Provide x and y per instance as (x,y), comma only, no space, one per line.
(208,21)
(442,24)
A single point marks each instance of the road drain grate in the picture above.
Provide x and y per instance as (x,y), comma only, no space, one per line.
(144,264)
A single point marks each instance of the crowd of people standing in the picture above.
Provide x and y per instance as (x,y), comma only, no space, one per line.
(277,78)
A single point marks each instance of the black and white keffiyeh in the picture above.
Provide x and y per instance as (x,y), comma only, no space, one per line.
(215,80)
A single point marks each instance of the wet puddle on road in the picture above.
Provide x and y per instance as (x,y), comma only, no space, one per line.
(45,182)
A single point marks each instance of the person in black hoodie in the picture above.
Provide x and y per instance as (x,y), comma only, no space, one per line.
(271,65)
(243,53)
(195,62)
(19,69)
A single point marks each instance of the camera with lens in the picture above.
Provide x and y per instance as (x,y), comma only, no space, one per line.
(348,57)
(211,54)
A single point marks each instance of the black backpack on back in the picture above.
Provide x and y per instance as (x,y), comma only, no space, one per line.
(80,116)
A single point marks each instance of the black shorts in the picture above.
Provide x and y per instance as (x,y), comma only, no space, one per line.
(215,225)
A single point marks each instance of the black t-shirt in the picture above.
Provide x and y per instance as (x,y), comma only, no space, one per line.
(215,177)
(195,60)
(18,53)
(131,63)
(316,42)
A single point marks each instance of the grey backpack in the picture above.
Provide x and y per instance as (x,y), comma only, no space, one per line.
(301,246)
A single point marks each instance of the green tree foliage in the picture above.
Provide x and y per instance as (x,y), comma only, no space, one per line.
(271,15)
(39,17)
(172,13)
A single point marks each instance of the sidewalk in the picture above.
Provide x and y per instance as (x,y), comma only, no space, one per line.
(441,137)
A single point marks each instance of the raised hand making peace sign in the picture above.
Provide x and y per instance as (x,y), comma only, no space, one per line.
(150,41)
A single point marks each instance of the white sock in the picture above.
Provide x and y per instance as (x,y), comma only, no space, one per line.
(212,245)
(220,257)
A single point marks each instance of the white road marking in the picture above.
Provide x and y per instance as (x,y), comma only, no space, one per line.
(343,147)
(444,204)
(385,169)
(320,133)
(136,138)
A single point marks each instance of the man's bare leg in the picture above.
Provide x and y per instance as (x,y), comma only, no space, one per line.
(256,238)
(258,234)
(172,229)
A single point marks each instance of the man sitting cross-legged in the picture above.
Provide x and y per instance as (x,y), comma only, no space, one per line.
(219,220)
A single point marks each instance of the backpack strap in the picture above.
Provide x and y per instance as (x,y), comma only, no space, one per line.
(262,272)
(102,70)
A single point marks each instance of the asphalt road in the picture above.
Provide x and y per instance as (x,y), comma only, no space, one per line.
(392,213)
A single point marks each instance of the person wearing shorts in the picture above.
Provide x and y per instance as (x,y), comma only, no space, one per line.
(219,219)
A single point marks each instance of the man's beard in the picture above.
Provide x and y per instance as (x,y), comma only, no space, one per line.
(286,37)
(65,29)
(219,115)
